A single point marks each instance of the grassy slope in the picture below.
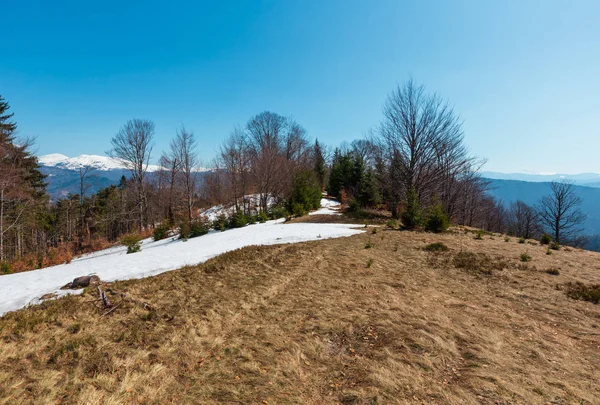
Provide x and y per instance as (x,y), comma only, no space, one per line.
(312,324)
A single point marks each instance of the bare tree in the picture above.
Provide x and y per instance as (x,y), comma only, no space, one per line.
(523,220)
(133,146)
(84,186)
(170,166)
(560,214)
(424,142)
(185,148)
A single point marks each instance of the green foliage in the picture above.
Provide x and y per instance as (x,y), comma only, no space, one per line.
(319,168)
(262,217)
(525,257)
(220,224)
(238,220)
(198,227)
(437,220)
(584,292)
(278,211)
(555,246)
(370,263)
(374,231)
(369,244)
(349,174)
(5,268)
(161,231)
(436,247)
(545,239)
(478,235)
(392,223)
(305,194)
(412,216)
(132,242)
(506,239)
(354,209)
(521,240)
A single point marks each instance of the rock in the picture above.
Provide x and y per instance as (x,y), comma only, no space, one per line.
(81,282)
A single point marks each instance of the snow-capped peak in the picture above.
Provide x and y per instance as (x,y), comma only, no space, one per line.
(95,161)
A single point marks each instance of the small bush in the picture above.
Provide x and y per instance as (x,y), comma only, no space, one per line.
(374,231)
(506,239)
(5,268)
(521,240)
(553,272)
(370,263)
(161,231)
(477,263)
(355,209)
(525,257)
(436,247)
(555,246)
(478,235)
(437,220)
(545,239)
(548,252)
(392,223)
(238,220)
(369,244)
(583,292)
(298,210)
(132,242)
(198,227)
(220,224)
(262,217)
(277,212)
(396,247)
(412,216)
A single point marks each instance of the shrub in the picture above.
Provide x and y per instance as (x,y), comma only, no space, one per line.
(374,231)
(436,247)
(198,227)
(396,247)
(525,257)
(355,209)
(220,224)
(506,239)
(477,262)
(5,268)
(161,231)
(369,244)
(581,291)
(392,223)
(297,209)
(548,252)
(555,246)
(545,239)
(553,272)
(262,217)
(412,216)
(370,263)
(478,235)
(238,220)
(133,243)
(521,240)
(278,211)
(437,220)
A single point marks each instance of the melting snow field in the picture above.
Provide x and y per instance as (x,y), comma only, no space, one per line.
(328,207)
(21,289)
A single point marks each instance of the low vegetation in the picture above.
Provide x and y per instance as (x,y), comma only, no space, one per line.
(581,291)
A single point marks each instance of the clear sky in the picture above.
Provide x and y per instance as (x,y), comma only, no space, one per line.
(523,75)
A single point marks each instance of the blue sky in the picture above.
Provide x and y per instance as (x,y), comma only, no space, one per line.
(524,76)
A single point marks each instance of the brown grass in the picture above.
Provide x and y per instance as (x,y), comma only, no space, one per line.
(311,324)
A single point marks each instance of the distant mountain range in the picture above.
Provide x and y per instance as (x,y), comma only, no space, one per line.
(582,179)
(63,173)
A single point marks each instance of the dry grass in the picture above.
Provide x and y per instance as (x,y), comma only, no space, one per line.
(311,324)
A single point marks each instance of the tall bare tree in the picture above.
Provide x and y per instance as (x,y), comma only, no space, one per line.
(185,146)
(133,146)
(560,213)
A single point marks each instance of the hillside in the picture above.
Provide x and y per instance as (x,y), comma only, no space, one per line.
(531,192)
(327,321)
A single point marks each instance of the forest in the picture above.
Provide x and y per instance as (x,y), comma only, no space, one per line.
(413,168)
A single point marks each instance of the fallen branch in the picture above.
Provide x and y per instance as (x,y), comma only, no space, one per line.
(104,298)
(110,310)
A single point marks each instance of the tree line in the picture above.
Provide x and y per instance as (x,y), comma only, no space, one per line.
(414,165)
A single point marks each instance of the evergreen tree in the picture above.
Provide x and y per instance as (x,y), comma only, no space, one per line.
(319,161)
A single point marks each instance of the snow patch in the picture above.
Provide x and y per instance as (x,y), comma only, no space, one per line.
(22,289)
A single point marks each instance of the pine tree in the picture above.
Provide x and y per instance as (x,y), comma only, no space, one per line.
(319,160)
